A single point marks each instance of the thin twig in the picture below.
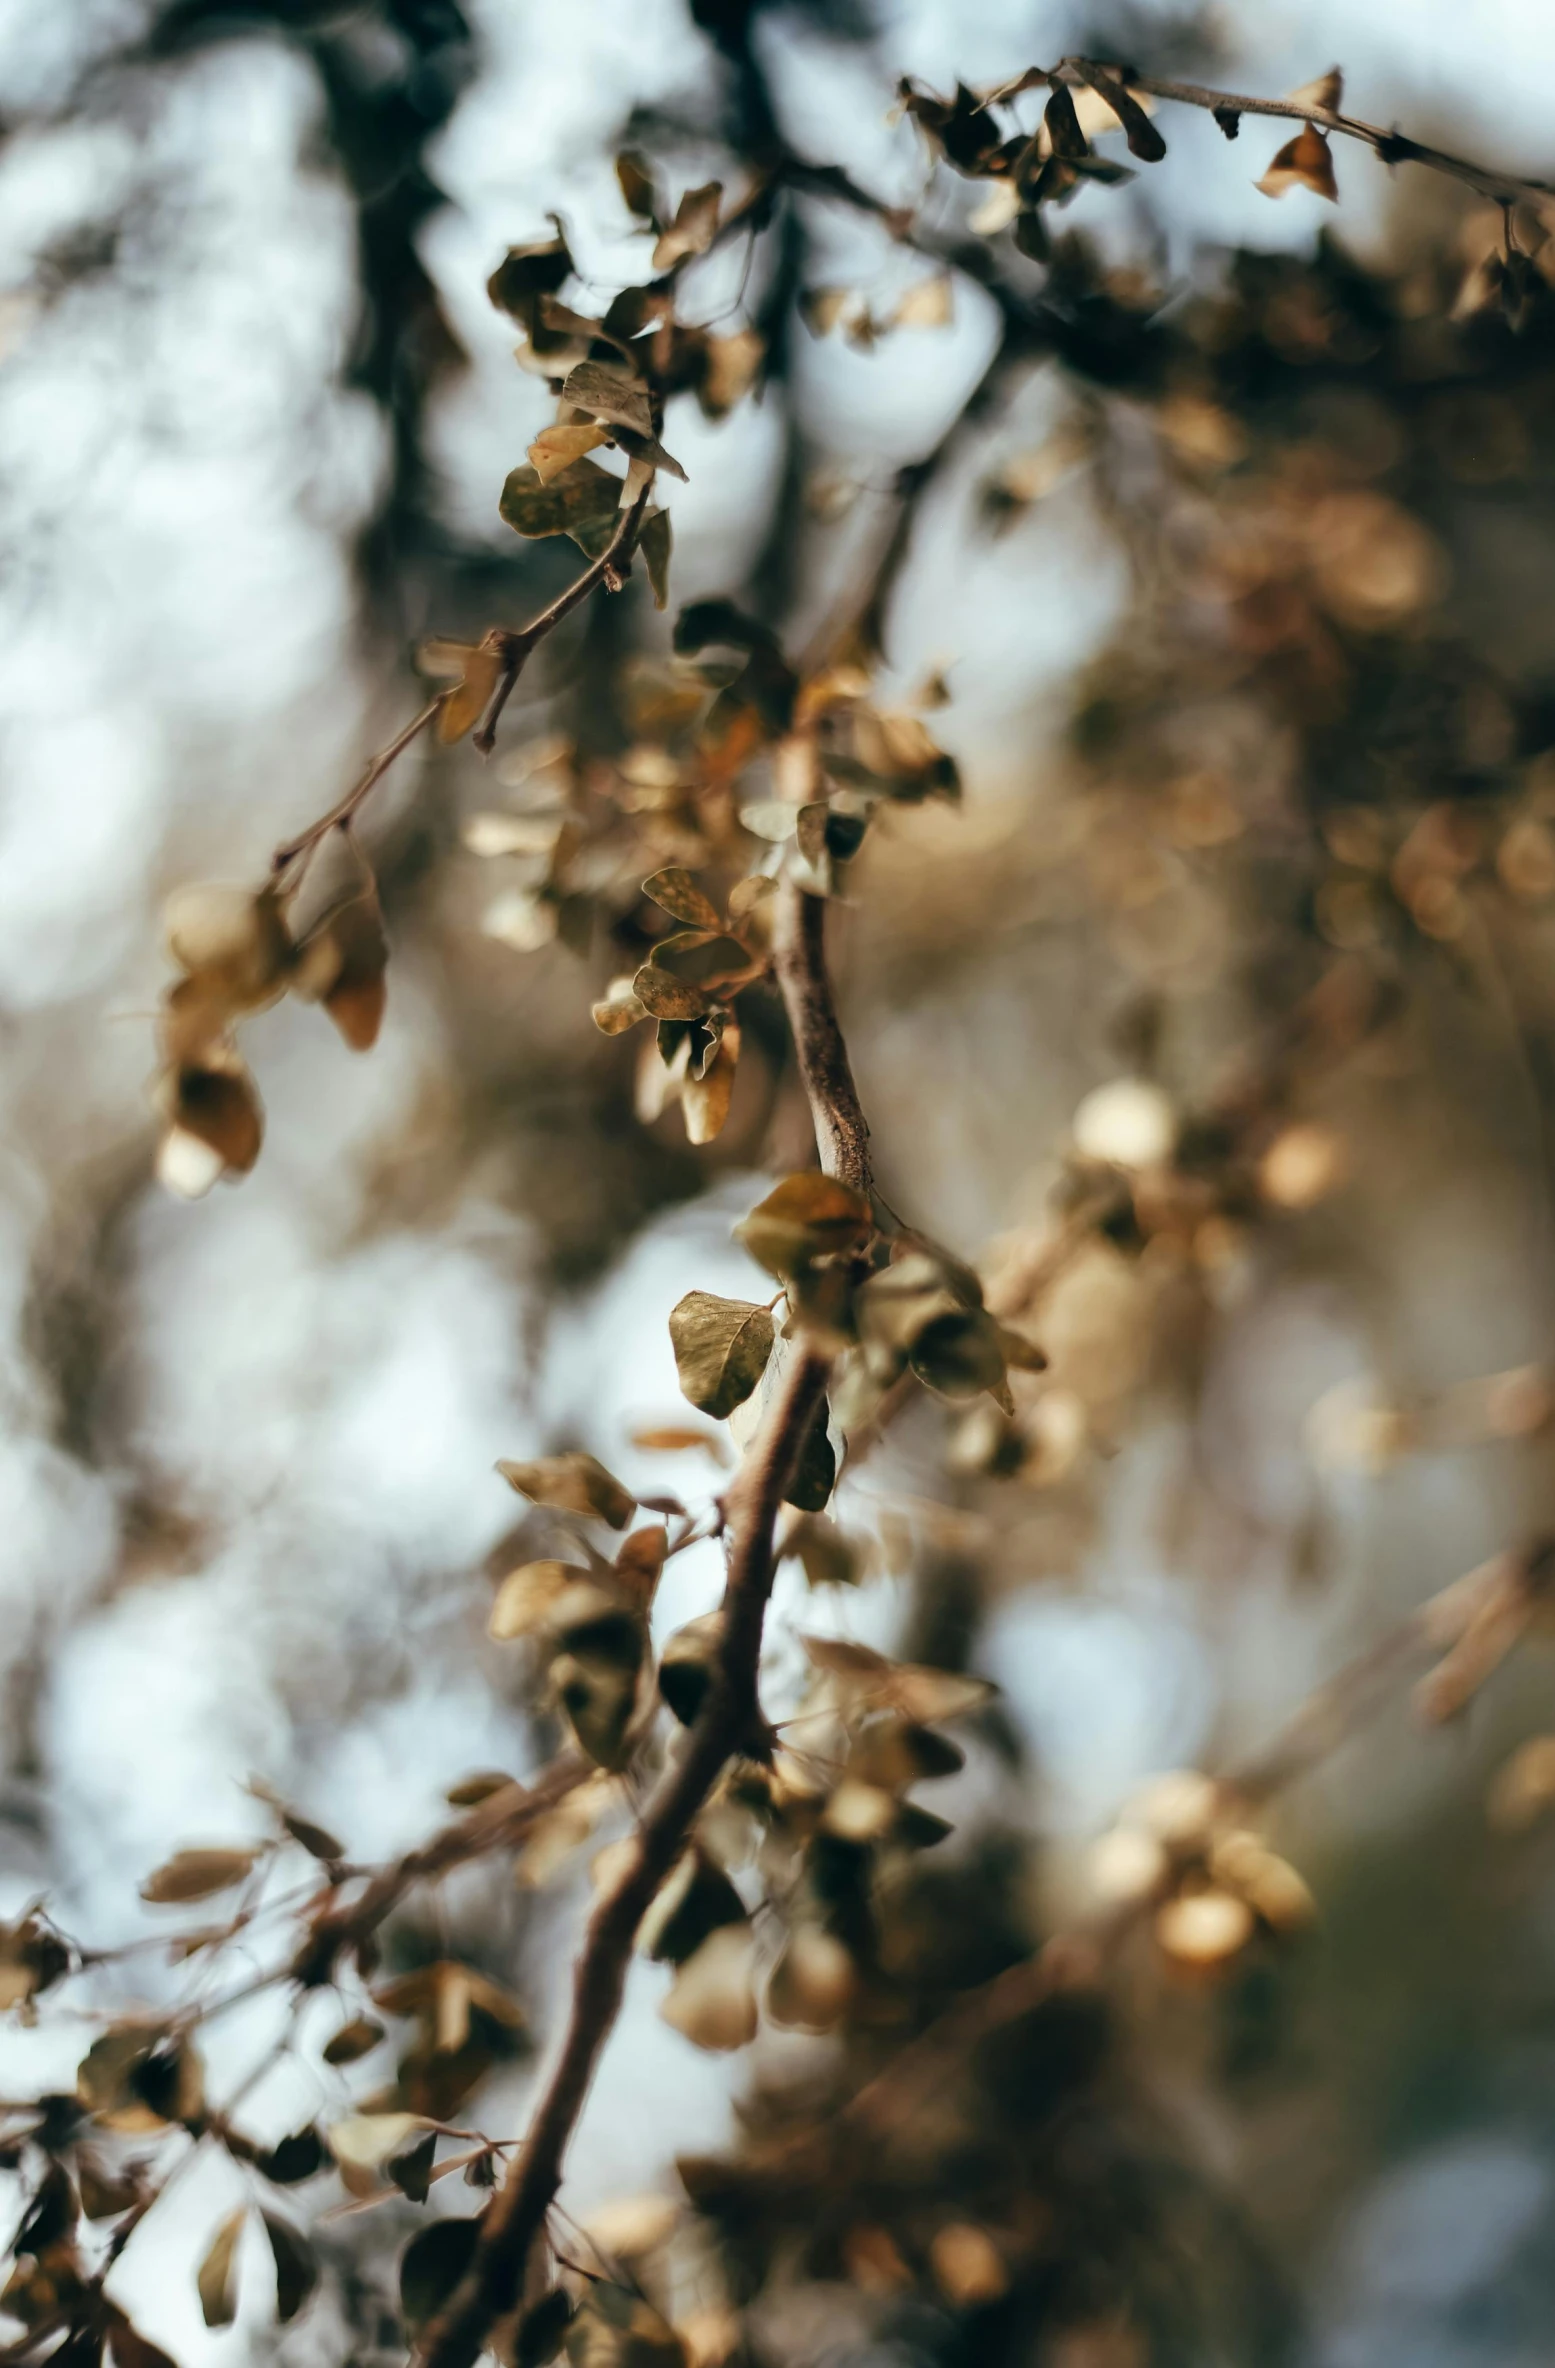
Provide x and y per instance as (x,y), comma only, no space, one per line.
(515,643)
(1393,147)
(340,816)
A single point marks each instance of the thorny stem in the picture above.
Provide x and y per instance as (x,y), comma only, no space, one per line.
(729,1722)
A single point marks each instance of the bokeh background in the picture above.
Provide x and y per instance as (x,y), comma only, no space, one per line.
(255,410)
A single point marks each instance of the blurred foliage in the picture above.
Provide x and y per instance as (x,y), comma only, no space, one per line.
(1308,829)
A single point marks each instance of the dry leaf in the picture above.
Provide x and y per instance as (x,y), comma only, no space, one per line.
(478,670)
(526,1597)
(572,1483)
(712,2001)
(196,1874)
(556,448)
(1303,163)
(693,229)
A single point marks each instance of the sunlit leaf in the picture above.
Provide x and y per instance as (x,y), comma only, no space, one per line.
(712,2001)
(556,448)
(526,1596)
(804,1218)
(721,1349)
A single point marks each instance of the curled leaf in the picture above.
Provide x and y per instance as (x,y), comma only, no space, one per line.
(693,229)
(1303,163)
(555,449)
(527,272)
(610,392)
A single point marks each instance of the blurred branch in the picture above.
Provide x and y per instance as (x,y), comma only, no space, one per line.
(1392,147)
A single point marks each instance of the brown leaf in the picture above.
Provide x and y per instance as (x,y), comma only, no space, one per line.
(296,2271)
(431,2267)
(236,943)
(1144,140)
(666,997)
(640,1560)
(656,544)
(610,392)
(635,176)
(356,2038)
(677,893)
(129,2348)
(721,1349)
(713,1999)
(572,1483)
(581,501)
(805,1218)
(478,671)
(705,1100)
(527,272)
(196,1874)
(693,229)
(1303,163)
(1327,92)
(555,449)
(356,997)
(526,1595)
(211,1103)
(619,1008)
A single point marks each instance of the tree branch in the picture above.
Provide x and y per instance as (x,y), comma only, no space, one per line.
(514,644)
(799,961)
(729,1722)
(517,2216)
(517,643)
